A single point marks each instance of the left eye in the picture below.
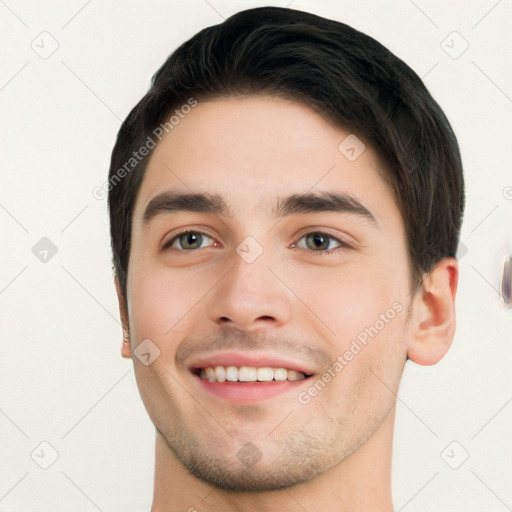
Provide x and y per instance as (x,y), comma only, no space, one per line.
(318,241)
(187,241)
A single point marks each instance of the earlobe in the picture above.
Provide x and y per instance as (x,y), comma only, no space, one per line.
(433,326)
(126,350)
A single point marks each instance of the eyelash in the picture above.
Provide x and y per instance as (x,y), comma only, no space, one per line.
(342,244)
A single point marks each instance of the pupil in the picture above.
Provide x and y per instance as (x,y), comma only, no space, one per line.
(318,240)
(192,238)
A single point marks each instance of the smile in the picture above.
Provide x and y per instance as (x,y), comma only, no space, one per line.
(246,377)
(248,374)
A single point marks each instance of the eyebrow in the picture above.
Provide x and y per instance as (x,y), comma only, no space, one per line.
(171,202)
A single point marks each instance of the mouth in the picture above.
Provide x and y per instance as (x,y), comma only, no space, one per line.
(247,374)
(241,378)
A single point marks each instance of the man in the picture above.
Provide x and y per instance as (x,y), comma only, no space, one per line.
(285,206)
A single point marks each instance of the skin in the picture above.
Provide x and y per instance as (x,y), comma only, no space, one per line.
(333,453)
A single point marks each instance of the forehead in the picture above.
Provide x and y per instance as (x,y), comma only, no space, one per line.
(254,149)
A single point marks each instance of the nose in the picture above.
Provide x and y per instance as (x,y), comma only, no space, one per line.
(250,296)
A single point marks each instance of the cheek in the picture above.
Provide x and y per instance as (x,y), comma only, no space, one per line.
(158,302)
(348,299)
(365,312)
(371,366)
(167,304)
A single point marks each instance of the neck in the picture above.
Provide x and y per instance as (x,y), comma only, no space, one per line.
(361,482)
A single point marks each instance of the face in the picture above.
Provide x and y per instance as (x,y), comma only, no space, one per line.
(289,258)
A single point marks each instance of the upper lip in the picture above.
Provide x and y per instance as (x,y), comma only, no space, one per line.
(245,359)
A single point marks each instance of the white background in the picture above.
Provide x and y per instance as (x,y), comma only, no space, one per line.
(62,379)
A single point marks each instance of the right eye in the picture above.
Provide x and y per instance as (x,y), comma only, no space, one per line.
(187,241)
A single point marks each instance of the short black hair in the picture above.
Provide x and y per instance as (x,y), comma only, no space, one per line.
(346,76)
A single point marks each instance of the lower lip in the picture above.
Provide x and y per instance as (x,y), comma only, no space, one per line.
(249,391)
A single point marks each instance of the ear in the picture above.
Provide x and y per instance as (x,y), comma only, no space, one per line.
(434,314)
(126,350)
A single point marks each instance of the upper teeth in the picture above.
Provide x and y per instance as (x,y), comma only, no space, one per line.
(248,374)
